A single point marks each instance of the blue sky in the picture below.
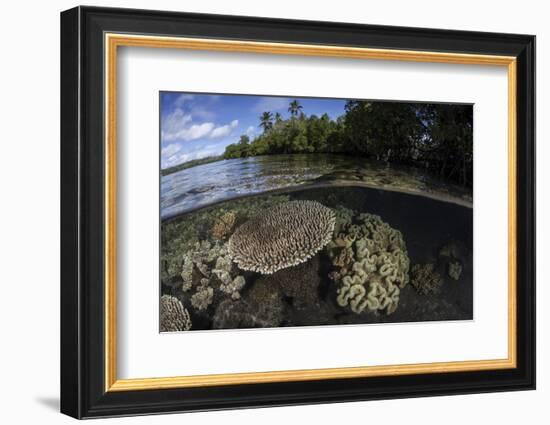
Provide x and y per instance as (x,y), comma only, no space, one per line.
(196,126)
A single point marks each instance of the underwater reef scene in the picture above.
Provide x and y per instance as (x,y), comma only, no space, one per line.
(317,256)
(322,212)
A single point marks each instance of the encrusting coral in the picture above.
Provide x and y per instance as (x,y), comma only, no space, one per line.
(266,303)
(173,315)
(425,279)
(260,307)
(299,283)
(224,225)
(282,236)
(372,262)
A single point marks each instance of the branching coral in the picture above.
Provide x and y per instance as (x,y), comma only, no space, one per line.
(173,315)
(371,261)
(283,236)
(180,235)
(425,279)
(233,287)
(206,268)
(203,297)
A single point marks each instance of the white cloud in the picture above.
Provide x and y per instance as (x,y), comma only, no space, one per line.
(182,99)
(174,122)
(170,150)
(196,131)
(224,130)
(270,104)
(200,150)
(177,126)
(251,131)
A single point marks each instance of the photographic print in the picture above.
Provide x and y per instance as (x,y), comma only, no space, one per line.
(292,211)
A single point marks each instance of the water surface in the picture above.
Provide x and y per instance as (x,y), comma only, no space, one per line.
(203,185)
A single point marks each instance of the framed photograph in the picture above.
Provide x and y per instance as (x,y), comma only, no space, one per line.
(261,212)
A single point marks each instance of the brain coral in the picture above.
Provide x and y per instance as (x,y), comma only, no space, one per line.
(371,260)
(282,236)
(173,315)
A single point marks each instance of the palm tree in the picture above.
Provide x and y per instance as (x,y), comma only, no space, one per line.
(294,108)
(266,121)
(278,118)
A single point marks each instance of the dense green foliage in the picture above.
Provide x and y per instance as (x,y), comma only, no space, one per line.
(433,136)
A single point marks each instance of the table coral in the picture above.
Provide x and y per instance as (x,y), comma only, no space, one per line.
(282,236)
(173,315)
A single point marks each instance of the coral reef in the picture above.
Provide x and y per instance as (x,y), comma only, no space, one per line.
(371,261)
(207,267)
(173,315)
(299,283)
(262,306)
(181,234)
(454,270)
(452,253)
(233,287)
(425,279)
(238,315)
(203,297)
(451,250)
(233,315)
(224,225)
(282,236)
(266,301)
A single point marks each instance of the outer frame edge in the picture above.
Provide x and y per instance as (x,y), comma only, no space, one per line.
(103,405)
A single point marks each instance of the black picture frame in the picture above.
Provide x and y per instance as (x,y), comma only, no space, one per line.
(83,392)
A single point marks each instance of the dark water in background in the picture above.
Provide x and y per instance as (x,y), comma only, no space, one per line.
(199,186)
(427,226)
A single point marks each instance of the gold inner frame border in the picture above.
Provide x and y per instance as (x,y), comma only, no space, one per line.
(113,40)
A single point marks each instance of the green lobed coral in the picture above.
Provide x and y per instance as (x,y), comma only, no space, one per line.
(370,260)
